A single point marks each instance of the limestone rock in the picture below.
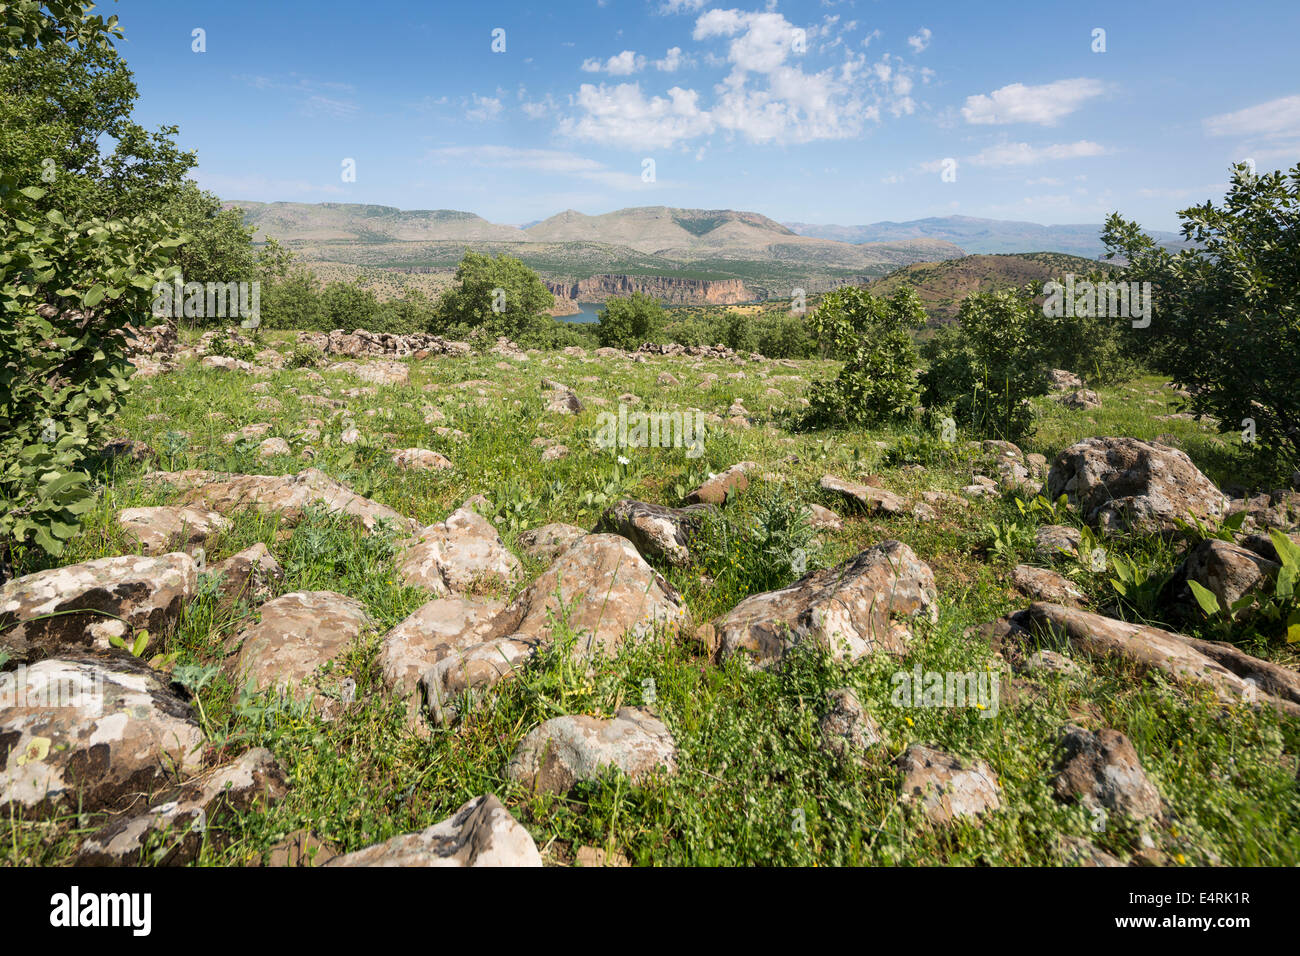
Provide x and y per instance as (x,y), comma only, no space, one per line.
(869,499)
(549,541)
(947,787)
(659,533)
(564,750)
(1102,770)
(170,528)
(460,554)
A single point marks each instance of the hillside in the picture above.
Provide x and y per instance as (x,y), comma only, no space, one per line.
(979,235)
(943,285)
(295,221)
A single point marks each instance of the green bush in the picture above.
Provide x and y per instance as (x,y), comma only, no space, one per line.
(1226,313)
(628,323)
(474,304)
(985,371)
(879,379)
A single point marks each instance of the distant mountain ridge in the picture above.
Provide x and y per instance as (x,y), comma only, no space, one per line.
(979,235)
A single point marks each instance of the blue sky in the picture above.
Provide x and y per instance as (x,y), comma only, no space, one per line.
(813,111)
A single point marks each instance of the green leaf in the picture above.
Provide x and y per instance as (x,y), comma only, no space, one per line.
(93,297)
(1206,599)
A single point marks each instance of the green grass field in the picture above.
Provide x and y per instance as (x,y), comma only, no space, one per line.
(753,787)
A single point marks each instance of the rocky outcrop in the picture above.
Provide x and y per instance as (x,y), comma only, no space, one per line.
(82,606)
(565,750)
(463,553)
(856,608)
(480,833)
(1117,482)
(668,290)
(363,343)
(85,733)
(659,533)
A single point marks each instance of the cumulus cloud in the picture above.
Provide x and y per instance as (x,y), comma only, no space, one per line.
(623,116)
(1276,118)
(921,40)
(483,108)
(623,64)
(673,60)
(1045,105)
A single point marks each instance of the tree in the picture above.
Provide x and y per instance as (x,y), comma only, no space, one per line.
(1225,320)
(628,323)
(984,372)
(495,297)
(70,281)
(874,338)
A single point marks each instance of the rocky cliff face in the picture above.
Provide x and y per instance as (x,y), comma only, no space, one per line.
(669,290)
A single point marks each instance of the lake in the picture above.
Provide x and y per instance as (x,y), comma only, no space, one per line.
(588,313)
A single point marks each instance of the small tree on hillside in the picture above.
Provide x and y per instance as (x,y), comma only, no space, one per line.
(628,323)
(874,338)
(500,296)
(1226,316)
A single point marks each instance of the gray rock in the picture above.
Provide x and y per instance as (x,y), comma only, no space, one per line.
(1102,770)
(565,750)
(659,533)
(549,541)
(947,787)
(847,730)
(864,496)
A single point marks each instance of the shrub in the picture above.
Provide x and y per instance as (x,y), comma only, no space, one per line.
(474,304)
(1226,313)
(628,323)
(879,378)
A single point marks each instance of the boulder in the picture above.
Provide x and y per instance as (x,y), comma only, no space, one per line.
(847,730)
(250,576)
(85,733)
(1117,482)
(947,787)
(714,491)
(144,592)
(1081,399)
(170,528)
(549,541)
(1043,585)
(1053,542)
(1229,571)
(864,496)
(855,608)
(823,519)
(174,828)
(420,459)
(600,587)
(1060,380)
(1102,771)
(435,630)
(460,554)
(283,495)
(298,633)
(480,833)
(565,750)
(659,533)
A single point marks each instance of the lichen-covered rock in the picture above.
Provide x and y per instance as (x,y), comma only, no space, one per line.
(823,519)
(564,750)
(847,730)
(714,491)
(480,833)
(144,592)
(420,459)
(947,787)
(299,632)
(600,587)
(380,373)
(86,733)
(659,533)
(1102,771)
(175,826)
(170,528)
(1053,542)
(250,576)
(550,540)
(855,608)
(463,553)
(1117,482)
(435,630)
(865,497)
(1229,571)
(283,495)
(1044,585)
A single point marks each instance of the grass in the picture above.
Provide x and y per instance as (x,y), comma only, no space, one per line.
(753,787)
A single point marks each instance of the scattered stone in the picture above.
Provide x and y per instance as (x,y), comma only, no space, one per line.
(1116,482)
(1043,585)
(942,498)
(170,528)
(178,823)
(118,730)
(1050,662)
(247,433)
(1080,399)
(1053,542)
(420,459)
(668,380)
(549,541)
(659,533)
(853,609)
(271,447)
(555,453)
(144,592)
(589,856)
(714,491)
(250,576)
(441,627)
(823,519)
(1102,771)
(847,730)
(298,634)
(947,787)
(869,499)
(136,451)
(1229,571)
(554,757)
(1062,381)
(463,553)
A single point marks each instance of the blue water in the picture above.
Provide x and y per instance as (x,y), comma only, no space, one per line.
(589,312)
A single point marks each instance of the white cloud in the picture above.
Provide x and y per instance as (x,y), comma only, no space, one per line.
(482,108)
(623,64)
(921,40)
(673,61)
(680,6)
(1280,117)
(622,116)
(317,98)
(1045,105)
(1022,154)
